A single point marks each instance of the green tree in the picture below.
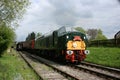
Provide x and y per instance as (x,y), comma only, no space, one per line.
(11,11)
(33,35)
(80,29)
(96,34)
(7,37)
(30,36)
(38,35)
(100,35)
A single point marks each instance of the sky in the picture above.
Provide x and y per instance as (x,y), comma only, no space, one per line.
(47,15)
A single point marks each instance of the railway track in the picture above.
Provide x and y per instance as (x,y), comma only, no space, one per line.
(44,70)
(66,72)
(74,72)
(105,72)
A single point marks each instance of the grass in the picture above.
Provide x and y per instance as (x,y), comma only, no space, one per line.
(12,67)
(104,56)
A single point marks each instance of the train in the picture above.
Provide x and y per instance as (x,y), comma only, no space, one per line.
(65,44)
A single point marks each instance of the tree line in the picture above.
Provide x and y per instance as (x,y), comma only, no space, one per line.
(33,35)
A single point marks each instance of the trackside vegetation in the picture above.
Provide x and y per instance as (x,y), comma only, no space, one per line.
(13,67)
(105,56)
(11,11)
(7,37)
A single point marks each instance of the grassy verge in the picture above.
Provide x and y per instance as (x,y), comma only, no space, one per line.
(12,67)
(104,56)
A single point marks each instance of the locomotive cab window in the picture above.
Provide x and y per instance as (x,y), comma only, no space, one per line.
(64,30)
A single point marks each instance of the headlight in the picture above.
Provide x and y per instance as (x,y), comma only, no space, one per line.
(84,37)
(67,37)
(74,44)
(86,51)
(69,52)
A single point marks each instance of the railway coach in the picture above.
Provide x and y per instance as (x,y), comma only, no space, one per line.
(64,44)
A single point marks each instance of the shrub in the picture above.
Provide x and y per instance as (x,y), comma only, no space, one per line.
(7,37)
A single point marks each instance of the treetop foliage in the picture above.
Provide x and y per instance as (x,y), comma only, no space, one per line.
(92,33)
(38,35)
(100,35)
(33,35)
(30,36)
(80,29)
(12,10)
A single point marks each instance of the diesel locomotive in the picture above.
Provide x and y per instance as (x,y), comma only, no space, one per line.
(65,44)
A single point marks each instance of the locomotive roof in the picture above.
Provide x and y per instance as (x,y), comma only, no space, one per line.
(66,30)
(61,31)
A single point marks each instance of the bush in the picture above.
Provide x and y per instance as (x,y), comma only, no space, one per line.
(7,36)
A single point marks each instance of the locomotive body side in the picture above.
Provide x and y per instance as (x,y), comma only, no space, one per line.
(47,42)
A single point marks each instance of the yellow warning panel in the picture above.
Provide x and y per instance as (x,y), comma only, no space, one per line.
(76,45)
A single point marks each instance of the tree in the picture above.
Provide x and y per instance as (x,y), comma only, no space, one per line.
(33,35)
(11,11)
(92,33)
(7,37)
(30,36)
(100,35)
(80,29)
(96,34)
(38,35)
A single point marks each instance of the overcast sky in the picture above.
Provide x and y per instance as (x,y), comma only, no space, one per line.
(47,15)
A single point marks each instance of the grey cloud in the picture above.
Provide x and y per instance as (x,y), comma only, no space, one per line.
(65,12)
(46,15)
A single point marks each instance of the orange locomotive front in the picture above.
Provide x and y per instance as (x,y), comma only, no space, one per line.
(75,50)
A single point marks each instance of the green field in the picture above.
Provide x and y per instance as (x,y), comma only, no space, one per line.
(13,67)
(104,56)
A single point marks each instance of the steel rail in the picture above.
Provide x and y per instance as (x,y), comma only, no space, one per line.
(101,67)
(95,72)
(40,78)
